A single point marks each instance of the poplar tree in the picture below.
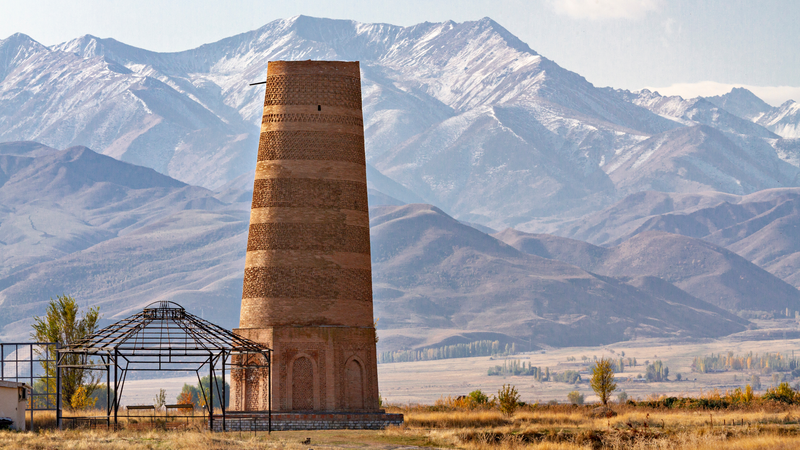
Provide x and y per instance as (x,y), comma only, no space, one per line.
(603,379)
(62,324)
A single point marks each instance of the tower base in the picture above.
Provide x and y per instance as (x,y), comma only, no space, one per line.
(314,369)
(323,420)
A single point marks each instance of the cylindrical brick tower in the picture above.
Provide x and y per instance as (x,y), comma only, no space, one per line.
(307,281)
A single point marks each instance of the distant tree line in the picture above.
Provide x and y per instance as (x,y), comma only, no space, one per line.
(616,365)
(656,372)
(729,362)
(518,368)
(653,372)
(477,348)
(515,367)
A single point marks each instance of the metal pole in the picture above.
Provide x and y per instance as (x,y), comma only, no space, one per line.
(210,393)
(58,388)
(108,391)
(222,400)
(116,388)
(30,349)
(269,388)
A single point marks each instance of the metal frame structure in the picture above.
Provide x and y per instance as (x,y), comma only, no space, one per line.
(39,401)
(164,337)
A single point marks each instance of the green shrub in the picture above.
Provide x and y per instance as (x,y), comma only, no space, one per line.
(479,397)
(508,397)
(783,393)
(575,397)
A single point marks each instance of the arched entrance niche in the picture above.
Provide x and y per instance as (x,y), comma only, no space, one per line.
(354,384)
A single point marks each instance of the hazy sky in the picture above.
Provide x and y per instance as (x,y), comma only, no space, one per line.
(690,47)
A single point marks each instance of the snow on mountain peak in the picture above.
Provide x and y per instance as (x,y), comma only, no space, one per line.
(741,102)
(15,49)
(192,114)
(85,46)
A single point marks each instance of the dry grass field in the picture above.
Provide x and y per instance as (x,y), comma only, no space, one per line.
(407,387)
(426,381)
(760,425)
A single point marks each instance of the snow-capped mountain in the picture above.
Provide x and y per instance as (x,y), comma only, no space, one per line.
(463,115)
(696,111)
(743,103)
(191,115)
(697,159)
(784,120)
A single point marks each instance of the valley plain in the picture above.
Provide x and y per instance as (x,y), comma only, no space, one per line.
(425,382)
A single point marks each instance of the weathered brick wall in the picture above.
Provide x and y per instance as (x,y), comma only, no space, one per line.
(307,281)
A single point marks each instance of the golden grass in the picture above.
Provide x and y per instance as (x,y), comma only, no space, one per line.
(545,427)
(570,427)
(130,440)
(47,419)
(455,419)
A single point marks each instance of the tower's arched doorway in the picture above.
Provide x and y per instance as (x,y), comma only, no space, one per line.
(354,385)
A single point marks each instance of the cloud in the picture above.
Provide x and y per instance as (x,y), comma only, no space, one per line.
(774,95)
(605,9)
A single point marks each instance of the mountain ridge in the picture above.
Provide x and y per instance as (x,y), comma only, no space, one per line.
(163,240)
(463,116)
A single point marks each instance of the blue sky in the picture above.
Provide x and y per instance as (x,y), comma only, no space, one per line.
(677,46)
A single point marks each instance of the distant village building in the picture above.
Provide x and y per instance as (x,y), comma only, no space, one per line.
(13,402)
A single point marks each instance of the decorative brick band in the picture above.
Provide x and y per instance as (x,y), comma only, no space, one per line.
(260,312)
(308,215)
(315,68)
(313,236)
(307,258)
(304,192)
(320,283)
(313,109)
(312,118)
(320,170)
(312,145)
(331,127)
(297,89)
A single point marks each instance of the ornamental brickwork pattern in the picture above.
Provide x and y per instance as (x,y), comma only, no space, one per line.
(312,118)
(308,236)
(311,145)
(307,192)
(281,282)
(302,384)
(330,90)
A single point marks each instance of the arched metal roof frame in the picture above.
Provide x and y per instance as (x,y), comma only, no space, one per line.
(165,337)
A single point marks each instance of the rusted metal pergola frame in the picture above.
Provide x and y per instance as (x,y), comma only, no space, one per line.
(164,337)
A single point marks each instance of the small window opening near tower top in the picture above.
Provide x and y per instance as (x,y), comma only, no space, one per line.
(319,107)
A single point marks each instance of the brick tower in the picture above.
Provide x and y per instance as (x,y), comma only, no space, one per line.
(307,281)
